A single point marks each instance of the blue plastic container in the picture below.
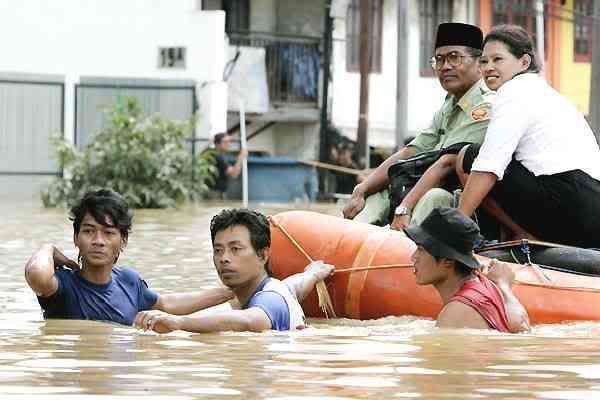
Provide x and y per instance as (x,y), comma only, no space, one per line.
(276,180)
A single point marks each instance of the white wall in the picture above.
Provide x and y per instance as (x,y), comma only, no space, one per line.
(113,38)
(289,139)
(425,94)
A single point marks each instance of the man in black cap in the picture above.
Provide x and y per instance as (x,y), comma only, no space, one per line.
(462,119)
(444,258)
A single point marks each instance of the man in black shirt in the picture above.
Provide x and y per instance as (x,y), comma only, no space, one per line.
(344,182)
(224,169)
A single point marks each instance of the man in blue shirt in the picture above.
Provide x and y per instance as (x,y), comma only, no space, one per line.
(241,252)
(94,288)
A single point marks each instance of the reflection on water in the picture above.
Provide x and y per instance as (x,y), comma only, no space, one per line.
(393,357)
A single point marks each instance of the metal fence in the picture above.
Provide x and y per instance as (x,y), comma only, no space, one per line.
(292,63)
(172,99)
(32,110)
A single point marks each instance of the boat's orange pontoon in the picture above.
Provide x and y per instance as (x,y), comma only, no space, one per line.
(382,282)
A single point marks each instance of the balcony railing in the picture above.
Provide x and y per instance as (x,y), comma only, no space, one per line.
(292,63)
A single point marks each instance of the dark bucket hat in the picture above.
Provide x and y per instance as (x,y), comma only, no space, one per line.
(458,34)
(447,233)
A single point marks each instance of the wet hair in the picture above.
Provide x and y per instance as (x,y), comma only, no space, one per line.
(101,204)
(461,269)
(517,41)
(219,138)
(256,223)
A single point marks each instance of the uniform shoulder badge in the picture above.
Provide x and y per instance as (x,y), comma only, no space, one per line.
(480,113)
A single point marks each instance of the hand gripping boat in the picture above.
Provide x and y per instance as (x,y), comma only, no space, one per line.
(374,275)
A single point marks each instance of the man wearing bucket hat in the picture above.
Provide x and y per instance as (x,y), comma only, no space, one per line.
(462,119)
(444,258)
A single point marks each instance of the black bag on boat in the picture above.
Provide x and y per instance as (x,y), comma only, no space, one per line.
(404,175)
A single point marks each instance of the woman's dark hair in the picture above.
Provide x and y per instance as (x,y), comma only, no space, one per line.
(101,204)
(256,223)
(517,41)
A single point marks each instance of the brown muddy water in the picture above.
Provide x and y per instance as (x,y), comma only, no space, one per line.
(395,357)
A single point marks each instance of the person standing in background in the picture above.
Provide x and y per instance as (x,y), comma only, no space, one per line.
(344,182)
(225,171)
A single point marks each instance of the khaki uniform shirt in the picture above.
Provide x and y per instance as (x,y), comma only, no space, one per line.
(465,120)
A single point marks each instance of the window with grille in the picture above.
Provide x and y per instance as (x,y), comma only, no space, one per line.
(431,14)
(582,27)
(353,35)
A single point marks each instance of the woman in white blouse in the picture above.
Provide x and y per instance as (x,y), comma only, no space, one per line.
(538,168)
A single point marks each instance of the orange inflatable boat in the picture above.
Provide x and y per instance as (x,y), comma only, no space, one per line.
(377,280)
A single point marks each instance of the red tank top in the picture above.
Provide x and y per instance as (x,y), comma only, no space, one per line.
(485,297)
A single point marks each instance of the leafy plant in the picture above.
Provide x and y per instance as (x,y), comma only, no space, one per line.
(145,159)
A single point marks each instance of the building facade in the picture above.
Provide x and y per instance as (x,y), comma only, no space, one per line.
(210,56)
(424,91)
(568,40)
(576,44)
(567,55)
(286,35)
(70,59)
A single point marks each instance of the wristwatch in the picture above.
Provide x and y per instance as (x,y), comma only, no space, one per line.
(401,211)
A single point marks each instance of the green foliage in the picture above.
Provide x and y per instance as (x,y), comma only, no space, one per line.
(146,159)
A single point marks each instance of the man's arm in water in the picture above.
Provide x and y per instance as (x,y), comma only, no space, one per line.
(187,303)
(39,270)
(252,319)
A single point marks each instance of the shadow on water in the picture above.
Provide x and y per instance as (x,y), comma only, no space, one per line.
(394,357)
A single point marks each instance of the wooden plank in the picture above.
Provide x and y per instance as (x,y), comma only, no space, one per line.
(336,168)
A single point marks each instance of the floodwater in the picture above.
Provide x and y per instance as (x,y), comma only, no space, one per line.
(395,357)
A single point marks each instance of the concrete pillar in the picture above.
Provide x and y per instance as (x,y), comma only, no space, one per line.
(69,106)
(211,93)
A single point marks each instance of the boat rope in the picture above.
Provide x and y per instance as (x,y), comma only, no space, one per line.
(373,267)
(536,268)
(325,302)
(327,306)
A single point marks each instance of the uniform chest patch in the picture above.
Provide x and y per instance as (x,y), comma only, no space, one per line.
(480,114)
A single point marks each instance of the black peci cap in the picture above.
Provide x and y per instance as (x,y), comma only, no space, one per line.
(458,34)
